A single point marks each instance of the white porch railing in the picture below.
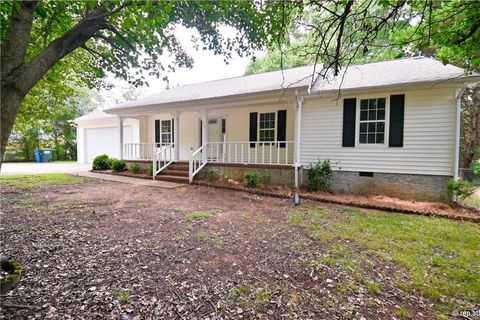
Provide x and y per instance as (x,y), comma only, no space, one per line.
(141,151)
(245,152)
(251,152)
(196,163)
(162,158)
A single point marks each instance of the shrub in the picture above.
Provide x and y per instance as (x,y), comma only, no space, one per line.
(117,165)
(460,188)
(252,178)
(266,178)
(319,175)
(212,174)
(476,168)
(134,167)
(150,169)
(101,162)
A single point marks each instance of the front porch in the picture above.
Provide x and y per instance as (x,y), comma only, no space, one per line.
(247,136)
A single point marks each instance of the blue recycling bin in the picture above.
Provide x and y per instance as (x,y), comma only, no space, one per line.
(47,155)
(38,155)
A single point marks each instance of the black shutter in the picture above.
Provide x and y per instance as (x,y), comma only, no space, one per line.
(349,115)
(157,131)
(397,113)
(253,128)
(282,127)
(173,131)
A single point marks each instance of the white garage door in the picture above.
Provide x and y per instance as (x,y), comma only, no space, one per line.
(101,140)
(104,140)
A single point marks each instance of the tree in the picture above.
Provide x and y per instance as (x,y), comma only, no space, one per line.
(48,112)
(338,33)
(116,36)
(470,126)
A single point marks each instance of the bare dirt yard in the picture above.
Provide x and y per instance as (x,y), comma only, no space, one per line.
(94,249)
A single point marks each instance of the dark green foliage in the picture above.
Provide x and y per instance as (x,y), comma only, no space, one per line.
(460,188)
(150,169)
(101,162)
(14,270)
(252,178)
(117,165)
(212,174)
(134,167)
(319,175)
(266,178)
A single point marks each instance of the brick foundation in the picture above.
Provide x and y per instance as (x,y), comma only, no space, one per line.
(402,186)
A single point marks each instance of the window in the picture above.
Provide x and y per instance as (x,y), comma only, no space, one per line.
(267,127)
(372,121)
(166,131)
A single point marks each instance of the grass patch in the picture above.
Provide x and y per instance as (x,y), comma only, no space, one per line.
(24,181)
(441,255)
(199,215)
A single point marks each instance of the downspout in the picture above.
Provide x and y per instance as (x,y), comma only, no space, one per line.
(298,126)
(457,131)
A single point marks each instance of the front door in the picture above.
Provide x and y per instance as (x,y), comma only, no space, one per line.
(216,135)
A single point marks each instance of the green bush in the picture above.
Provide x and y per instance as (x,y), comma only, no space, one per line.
(117,165)
(134,167)
(212,174)
(252,178)
(476,168)
(266,178)
(150,169)
(460,188)
(101,162)
(319,175)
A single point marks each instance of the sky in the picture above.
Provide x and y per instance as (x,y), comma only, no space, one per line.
(207,66)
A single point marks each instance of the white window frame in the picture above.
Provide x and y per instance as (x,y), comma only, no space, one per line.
(387,122)
(274,127)
(165,133)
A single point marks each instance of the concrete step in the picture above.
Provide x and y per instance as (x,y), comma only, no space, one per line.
(172,178)
(170,172)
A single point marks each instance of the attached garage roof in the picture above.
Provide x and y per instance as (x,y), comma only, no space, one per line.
(95,115)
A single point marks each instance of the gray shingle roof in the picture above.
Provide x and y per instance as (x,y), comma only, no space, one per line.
(262,82)
(389,73)
(373,75)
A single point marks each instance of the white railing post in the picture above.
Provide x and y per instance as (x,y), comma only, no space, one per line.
(190,168)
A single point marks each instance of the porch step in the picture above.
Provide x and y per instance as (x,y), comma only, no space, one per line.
(165,177)
(178,167)
(171,172)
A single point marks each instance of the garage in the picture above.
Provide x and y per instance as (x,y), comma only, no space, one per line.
(97,133)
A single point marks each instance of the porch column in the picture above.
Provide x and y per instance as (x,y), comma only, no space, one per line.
(297,142)
(176,134)
(204,115)
(120,132)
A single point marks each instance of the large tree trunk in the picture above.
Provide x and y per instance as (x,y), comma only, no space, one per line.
(11,100)
(470,139)
(18,76)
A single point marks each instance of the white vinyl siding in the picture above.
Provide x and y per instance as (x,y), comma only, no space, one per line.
(429,131)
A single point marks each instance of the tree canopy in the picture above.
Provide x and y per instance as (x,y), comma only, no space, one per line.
(338,33)
(86,39)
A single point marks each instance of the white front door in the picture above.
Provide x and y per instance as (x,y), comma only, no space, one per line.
(216,134)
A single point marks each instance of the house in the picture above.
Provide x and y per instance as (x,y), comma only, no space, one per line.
(389,127)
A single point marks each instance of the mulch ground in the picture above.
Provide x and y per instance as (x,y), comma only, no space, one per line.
(377,202)
(105,250)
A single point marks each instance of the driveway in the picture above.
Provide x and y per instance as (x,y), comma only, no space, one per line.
(43,167)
